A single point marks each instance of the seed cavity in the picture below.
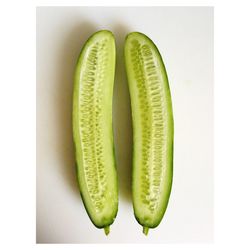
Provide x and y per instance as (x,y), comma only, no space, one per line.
(90,123)
(152,112)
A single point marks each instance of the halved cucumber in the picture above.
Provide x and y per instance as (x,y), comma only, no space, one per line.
(92,128)
(153,130)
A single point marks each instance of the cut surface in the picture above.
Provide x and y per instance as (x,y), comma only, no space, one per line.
(152,129)
(92,128)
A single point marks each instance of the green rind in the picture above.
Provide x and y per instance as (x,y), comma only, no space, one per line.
(155,219)
(106,219)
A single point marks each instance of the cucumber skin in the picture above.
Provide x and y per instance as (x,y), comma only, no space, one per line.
(107,223)
(146,225)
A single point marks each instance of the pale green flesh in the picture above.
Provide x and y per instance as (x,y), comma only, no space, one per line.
(92,128)
(153,130)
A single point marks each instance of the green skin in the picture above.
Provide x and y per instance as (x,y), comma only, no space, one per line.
(105,217)
(143,215)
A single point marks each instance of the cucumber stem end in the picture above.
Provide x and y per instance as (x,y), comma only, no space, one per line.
(106,230)
(145,230)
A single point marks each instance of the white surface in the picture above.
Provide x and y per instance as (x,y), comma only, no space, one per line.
(184,36)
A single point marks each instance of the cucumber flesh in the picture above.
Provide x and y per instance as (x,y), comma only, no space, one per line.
(92,129)
(153,130)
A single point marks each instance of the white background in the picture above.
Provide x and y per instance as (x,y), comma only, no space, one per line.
(232,136)
(184,37)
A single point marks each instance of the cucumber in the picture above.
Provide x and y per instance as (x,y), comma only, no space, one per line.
(92,128)
(153,130)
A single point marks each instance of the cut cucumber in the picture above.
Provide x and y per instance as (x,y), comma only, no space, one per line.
(92,129)
(153,130)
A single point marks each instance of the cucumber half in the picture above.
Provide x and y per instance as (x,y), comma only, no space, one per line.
(92,128)
(153,130)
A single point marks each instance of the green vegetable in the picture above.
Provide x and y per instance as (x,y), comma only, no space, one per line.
(92,129)
(153,130)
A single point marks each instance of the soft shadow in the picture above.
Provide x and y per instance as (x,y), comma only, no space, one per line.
(122,117)
(69,52)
